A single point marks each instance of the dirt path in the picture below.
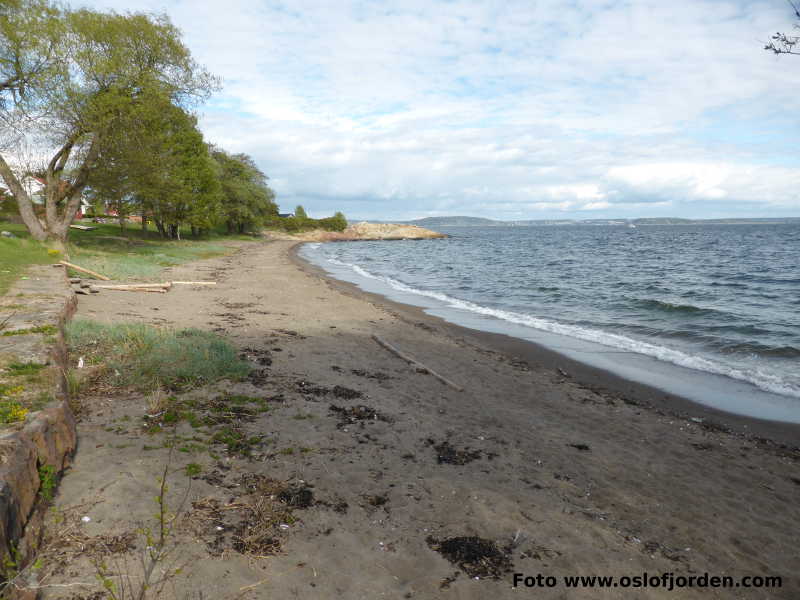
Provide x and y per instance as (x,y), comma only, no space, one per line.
(360,471)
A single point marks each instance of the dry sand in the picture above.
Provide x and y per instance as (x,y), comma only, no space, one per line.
(586,479)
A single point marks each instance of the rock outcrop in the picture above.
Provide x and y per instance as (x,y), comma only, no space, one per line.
(362,231)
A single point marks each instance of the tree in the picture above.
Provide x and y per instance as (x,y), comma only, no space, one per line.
(158,165)
(30,33)
(300,213)
(782,43)
(247,200)
(103,67)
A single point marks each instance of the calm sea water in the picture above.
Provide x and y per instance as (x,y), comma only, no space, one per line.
(717,299)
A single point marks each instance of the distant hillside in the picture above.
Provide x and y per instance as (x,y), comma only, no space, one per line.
(461,221)
(454,222)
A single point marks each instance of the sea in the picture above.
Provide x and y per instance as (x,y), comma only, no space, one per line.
(708,312)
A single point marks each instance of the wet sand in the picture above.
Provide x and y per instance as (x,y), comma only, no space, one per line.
(565,469)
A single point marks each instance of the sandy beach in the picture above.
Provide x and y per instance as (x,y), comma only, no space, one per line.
(566,470)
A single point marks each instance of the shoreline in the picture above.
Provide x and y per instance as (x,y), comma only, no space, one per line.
(647,396)
(385,463)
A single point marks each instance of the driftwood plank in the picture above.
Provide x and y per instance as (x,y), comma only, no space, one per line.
(83,270)
(416,363)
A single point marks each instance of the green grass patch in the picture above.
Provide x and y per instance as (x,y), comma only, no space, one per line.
(17,254)
(16,369)
(134,254)
(147,357)
(46,329)
(193,469)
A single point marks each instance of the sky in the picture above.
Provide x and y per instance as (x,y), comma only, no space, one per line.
(532,109)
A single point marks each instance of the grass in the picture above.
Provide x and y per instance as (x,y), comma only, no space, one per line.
(150,358)
(139,255)
(17,254)
(132,254)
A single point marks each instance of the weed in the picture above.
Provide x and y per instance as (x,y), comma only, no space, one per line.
(16,369)
(193,469)
(155,565)
(73,383)
(47,482)
(45,329)
(287,451)
(236,442)
(11,411)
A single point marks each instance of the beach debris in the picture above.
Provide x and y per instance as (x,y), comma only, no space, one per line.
(346,393)
(697,420)
(7,234)
(297,497)
(368,374)
(193,282)
(447,454)
(84,270)
(135,287)
(477,557)
(581,447)
(355,414)
(563,373)
(702,446)
(420,367)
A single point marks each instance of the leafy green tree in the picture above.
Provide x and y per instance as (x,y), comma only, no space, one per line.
(300,213)
(247,200)
(101,69)
(159,166)
(30,37)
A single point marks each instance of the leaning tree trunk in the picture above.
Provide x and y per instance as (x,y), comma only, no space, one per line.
(62,198)
(24,203)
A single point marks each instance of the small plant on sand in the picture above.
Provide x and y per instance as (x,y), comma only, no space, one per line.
(156,563)
(193,469)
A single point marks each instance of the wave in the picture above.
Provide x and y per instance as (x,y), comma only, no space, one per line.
(759,377)
(662,306)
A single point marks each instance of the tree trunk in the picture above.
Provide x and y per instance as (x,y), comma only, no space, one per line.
(194,231)
(24,203)
(161,229)
(144,224)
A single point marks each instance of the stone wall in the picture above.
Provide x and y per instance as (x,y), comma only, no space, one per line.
(33,314)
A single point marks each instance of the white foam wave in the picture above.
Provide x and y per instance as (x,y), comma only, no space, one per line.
(760,377)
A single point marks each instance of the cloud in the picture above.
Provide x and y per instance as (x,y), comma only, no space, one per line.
(515,109)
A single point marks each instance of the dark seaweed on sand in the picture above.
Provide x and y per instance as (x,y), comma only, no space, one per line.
(447,454)
(297,497)
(477,557)
(354,414)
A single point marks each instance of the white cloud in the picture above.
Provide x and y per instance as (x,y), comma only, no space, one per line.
(517,109)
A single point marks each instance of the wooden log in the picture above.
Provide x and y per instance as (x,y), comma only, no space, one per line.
(128,286)
(96,289)
(416,363)
(194,283)
(83,270)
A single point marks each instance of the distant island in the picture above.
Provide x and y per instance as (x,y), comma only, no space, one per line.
(461,221)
